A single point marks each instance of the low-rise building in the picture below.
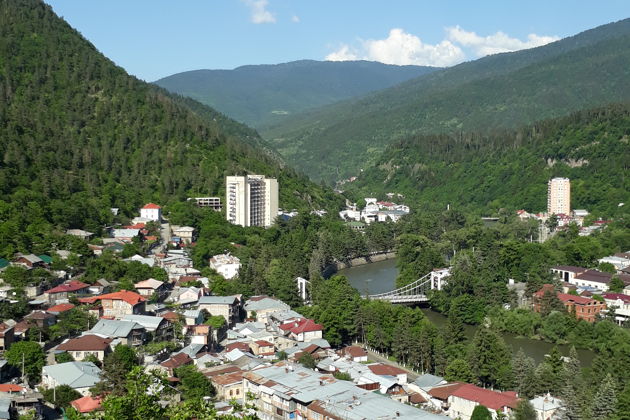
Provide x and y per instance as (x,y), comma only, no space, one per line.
(6,336)
(355,353)
(263,306)
(263,348)
(303,330)
(151,212)
(186,233)
(119,304)
(226,306)
(228,386)
(124,332)
(87,345)
(620,303)
(149,287)
(546,407)
(80,376)
(226,265)
(160,328)
(65,290)
(464,400)
(583,307)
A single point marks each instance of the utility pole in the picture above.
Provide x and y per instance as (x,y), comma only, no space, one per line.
(23,374)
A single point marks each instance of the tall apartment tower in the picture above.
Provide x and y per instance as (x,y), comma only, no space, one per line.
(251,200)
(559,196)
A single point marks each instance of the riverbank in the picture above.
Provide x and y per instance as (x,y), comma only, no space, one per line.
(335,267)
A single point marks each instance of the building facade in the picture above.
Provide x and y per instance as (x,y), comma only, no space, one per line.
(251,200)
(559,196)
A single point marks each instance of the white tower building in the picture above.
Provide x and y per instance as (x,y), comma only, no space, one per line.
(559,196)
(251,200)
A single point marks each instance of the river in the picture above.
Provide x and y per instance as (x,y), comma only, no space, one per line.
(380,277)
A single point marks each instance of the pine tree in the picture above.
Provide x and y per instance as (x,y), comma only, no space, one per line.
(524,411)
(454,333)
(605,400)
(524,369)
(489,357)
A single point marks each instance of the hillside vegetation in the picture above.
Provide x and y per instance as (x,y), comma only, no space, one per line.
(78,135)
(500,91)
(267,94)
(510,169)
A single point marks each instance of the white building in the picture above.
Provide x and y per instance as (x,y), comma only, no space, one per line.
(213,202)
(151,212)
(559,196)
(302,285)
(251,200)
(80,376)
(225,264)
(546,407)
(438,278)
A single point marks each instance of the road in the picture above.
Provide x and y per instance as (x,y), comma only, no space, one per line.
(165,236)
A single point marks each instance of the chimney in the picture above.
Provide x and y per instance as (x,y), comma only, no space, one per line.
(321,383)
(397,413)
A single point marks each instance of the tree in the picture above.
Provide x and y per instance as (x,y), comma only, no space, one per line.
(454,333)
(524,369)
(140,398)
(28,354)
(342,376)
(481,413)
(194,384)
(307,360)
(549,302)
(116,368)
(605,400)
(61,396)
(63,357)
(616,285)
(524,411)
(459,370)
(489,357)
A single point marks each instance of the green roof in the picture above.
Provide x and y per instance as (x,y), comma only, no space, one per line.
(46,258)
(3,263)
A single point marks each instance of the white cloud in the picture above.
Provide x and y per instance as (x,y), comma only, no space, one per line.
(496,43)
(259,12)
(295,19)
(401,48)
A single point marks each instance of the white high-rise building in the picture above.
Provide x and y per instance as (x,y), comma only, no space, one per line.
(251,200)
(559,196)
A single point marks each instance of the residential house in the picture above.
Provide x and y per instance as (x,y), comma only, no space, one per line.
(87,404)
(546,407)
(229,307)
(228,386)
(355,353)
(41,319)
(159,327)
(263,348)
(119,304)
(125,235)
(65,290)
(124,332)
(464,400)
(60,308)
(6,336)
(28,260)
(193,317)
(303,330)
(186,295)
(80,376)
(152,212)
(87,345)
(226,265)
(178,360)
(82,234)
(186,233)
(380,369)
(200,334)
(263,306)
(583,307)
(567,272)
(149,287)
(621,305)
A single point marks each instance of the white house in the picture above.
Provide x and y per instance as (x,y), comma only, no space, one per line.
(151,212)
(225,264)
(80,376)
(546,407)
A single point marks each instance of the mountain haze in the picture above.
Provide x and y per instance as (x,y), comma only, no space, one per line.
(499,91)
(260,95)
(78,135)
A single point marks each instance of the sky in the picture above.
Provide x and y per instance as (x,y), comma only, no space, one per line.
(152,39)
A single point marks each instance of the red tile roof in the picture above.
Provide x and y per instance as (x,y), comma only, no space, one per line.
(180,359)
(381,369)
(87,404)
(615,296)
(151,206)
(71,286)
(264,343)
(580,300)
(131,298)
(10,388)
(442,392)
(171,316)
(355,351)
(238,345)
(62,307)
(416,398)
(486,397)
(301,326)
(86,343)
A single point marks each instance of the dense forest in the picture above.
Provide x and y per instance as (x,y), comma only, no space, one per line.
(263,95)
(80,136)
(510,169)
(495,92)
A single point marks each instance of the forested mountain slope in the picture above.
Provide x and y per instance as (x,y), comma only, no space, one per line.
(78,135)
(261,95)
(500,91)
(510,169)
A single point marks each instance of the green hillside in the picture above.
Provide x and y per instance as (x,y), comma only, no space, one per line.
(500,91)
(510,169)
(267,94)
(78,135)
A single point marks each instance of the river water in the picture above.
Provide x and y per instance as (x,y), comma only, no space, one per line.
(380,277)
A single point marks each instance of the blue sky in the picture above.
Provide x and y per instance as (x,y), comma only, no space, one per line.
(156,38)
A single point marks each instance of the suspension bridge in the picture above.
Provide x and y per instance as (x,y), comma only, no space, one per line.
(415,292)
